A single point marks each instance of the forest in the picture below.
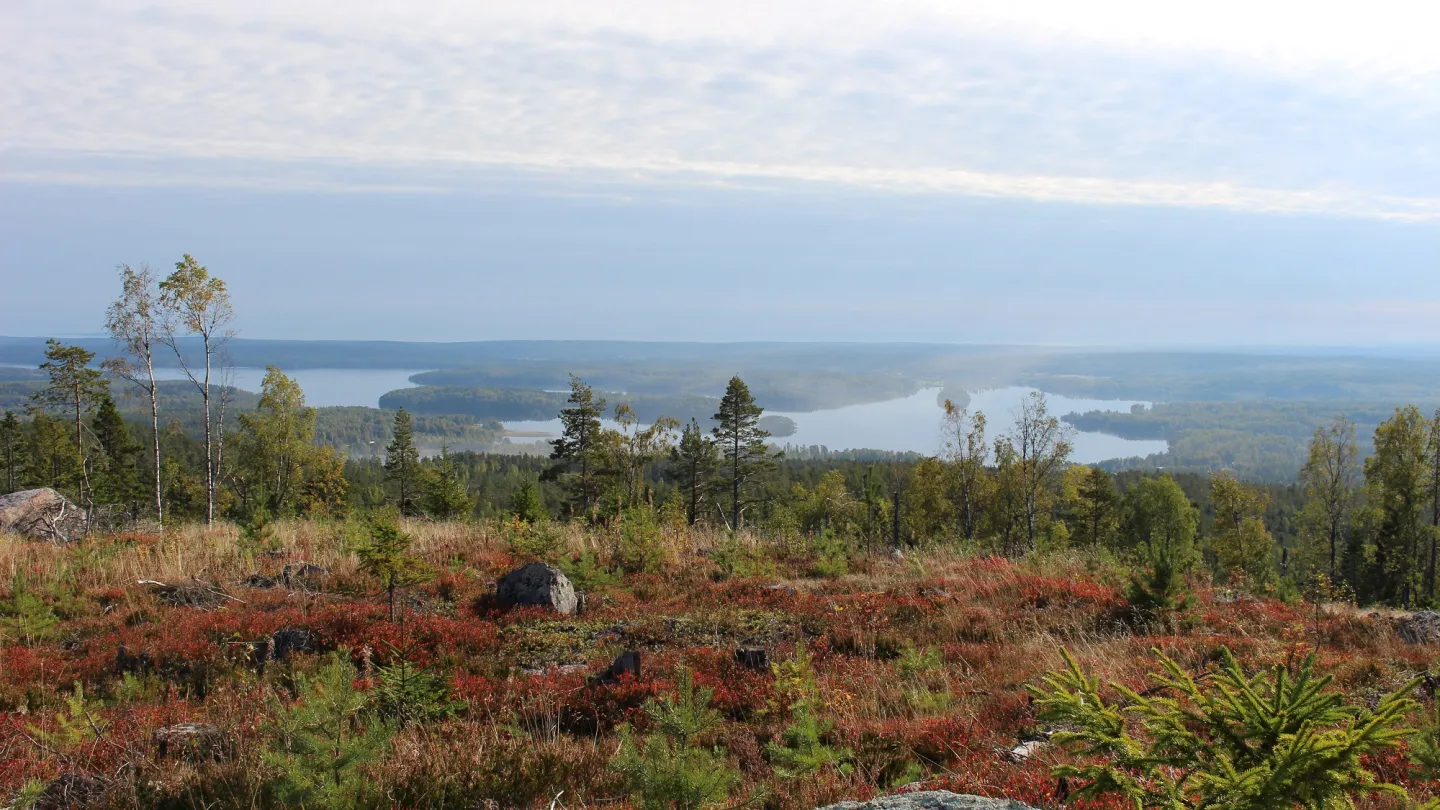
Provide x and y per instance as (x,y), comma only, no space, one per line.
(261,610)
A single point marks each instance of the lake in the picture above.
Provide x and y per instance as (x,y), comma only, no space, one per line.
(323,387)
(913,424)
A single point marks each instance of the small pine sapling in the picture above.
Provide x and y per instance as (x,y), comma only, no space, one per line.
(670,769)
(319,739)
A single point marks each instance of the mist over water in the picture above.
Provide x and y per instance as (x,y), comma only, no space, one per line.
(323,387)
(912,424)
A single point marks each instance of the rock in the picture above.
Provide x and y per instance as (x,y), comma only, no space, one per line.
(129,662)
(1419,628)
(258,580)
(931,800)
(196,594)
(71,792)
(190,741)
(538,584)
(303,575)
(289,640)
(1023,751)
(625,662)
(788,590)
(41,513)
(753,658)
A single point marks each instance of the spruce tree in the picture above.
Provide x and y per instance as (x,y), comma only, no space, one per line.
(579,452)
(387,557)
(117,477)
(742,445)
(693,464)
(12,452)
(1098,506)
(443,492)
(402,460)
(1277,738)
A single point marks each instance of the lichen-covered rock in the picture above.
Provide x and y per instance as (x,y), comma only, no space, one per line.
(41,513)
(538,584)
(1420,628)
(190,741)
(931,800)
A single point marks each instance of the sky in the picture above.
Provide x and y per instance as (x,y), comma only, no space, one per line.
(1037,171)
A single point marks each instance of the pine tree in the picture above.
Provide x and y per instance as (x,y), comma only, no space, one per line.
(12,452)
(579,452)
(693,464)
(319,738)
(402,461)
(669,769)
(75,389)
(742,446)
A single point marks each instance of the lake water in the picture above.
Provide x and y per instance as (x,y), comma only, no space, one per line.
(908,424)
(913,424)
(323,387)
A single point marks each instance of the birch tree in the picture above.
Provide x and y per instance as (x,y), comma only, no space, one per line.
(197,304)
(134,321)
(1042,443)
(1331,476)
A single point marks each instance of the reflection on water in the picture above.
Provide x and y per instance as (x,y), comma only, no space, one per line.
(323,387)
(913,424)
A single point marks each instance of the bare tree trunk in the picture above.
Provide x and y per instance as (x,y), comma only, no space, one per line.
(209,443)
(155,434)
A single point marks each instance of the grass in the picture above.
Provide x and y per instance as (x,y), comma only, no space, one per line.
(919,663)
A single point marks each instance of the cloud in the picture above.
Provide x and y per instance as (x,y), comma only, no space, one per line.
(1311,114)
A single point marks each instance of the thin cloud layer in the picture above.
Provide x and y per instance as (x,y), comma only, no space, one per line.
(1029,101)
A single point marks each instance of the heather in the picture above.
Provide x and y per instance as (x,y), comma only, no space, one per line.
(903,670)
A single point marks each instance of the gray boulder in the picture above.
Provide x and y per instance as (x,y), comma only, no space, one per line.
(1419,628)
(41,513)
(538,584)
(931,800)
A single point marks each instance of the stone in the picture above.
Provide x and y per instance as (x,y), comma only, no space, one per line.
(538,584)
(303,575)
(627,662)
(71,792)
(931,800)
(130,662)
(788,590)
(289,640)
(258,580)
(753,658)
(42,514)
(1419,628)
(189,741)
